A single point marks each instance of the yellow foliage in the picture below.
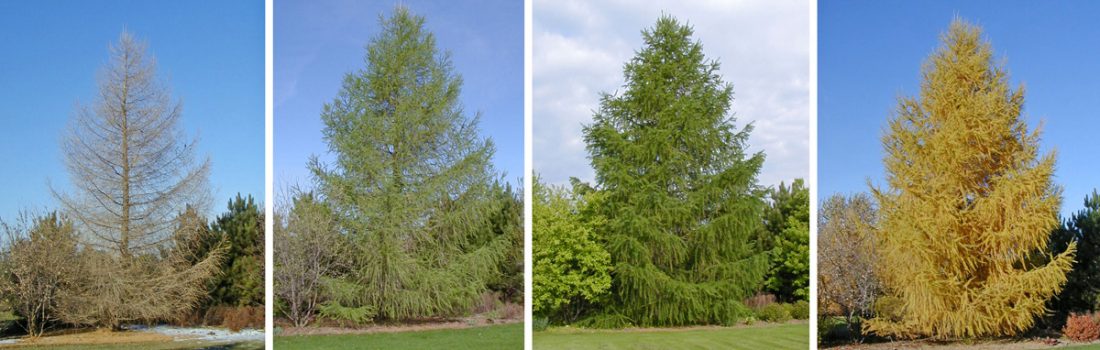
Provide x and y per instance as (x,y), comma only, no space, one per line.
(970,203)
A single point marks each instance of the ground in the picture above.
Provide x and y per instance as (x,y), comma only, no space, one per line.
(506,336)
(177,338)
(794,335)
(976,345)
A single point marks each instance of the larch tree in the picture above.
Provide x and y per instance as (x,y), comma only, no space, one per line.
(970,203)
(132,173)
(411,184)
(680,205)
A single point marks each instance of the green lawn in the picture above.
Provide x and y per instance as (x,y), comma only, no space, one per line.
(787,336)
(508,336)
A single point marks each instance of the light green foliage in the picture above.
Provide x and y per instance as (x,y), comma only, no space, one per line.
(340,293)
(800,310)
(570,269)
(775,312)
(411,185)
(788,220)
(679,206)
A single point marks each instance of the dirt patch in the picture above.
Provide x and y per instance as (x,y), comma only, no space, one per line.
(393,328)
(92,337)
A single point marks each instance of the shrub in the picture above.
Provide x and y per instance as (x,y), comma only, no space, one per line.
(832,329)
(347,315)
(800,310)
(1082,327)
(605,321)
(774,313)
(540,324)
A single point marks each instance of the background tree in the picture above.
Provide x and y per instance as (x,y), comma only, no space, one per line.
(132,173)
(787,228)
(846,258)
(681,205)
(241,282)
(1082,282)
(411,183)
(506,220)
(40,264)
(969,203)
(308,249)
(570,268)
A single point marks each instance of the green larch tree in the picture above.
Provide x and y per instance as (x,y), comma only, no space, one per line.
(680,205)
(970,202)
(411,180)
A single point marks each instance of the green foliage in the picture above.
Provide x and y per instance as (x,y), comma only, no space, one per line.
(800,310)
(540,324)
(412,183)
(570,269)
(605,321)
(679,205)
(241,282)
(506,220)
(1082,290)
(776,312)
(340,294)
(787,220)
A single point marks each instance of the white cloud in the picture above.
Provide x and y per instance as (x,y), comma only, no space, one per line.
(580,47)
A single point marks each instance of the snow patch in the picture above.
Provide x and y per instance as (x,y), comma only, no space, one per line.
(204,334)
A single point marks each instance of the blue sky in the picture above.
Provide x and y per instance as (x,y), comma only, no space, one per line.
(580,47)
(210,52)
(317,42)
(870,52)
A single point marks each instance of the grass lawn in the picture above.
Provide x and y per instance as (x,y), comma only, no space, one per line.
(509,336)
(785,336)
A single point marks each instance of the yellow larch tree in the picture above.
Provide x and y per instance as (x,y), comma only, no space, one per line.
(969,204)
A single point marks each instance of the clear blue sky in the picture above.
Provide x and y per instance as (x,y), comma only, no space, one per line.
(317,42)
(210,52)
(870,52)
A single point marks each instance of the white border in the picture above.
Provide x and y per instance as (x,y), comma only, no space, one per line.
(269,198)
(528,336)
(813,173)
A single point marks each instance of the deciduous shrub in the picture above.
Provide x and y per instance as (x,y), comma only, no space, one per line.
(774,313)
(800,310)
(1082,327)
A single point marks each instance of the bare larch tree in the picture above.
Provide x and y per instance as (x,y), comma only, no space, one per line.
(133,171)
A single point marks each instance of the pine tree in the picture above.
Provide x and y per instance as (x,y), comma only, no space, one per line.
(242,280)
(411,181)
(1082,290)
(970,202)
(680,204)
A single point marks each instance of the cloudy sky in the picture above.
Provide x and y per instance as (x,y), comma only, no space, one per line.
(580,48)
